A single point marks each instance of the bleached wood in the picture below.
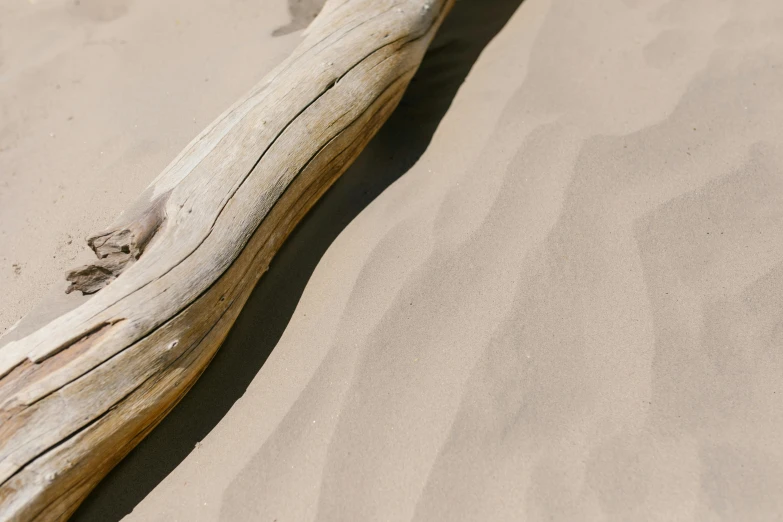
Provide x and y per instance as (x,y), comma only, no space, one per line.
(173,273)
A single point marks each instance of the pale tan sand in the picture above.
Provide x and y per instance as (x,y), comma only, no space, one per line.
(96,97)
(569,309)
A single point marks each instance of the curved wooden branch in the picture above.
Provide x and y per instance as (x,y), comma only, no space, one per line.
(171,276)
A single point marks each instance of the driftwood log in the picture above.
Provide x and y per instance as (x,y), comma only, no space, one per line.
(172,274)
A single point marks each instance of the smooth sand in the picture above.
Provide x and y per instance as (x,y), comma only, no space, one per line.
(568,309)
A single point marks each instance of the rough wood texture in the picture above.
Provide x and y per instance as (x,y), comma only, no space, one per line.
(172,274)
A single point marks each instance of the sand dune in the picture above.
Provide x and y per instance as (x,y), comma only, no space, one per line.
(568,308)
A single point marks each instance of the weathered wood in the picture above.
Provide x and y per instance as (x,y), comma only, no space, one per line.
(173,273)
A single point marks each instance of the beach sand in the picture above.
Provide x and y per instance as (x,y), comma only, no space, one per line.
(566,304)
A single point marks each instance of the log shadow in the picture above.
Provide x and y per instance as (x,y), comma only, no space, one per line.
(397,146)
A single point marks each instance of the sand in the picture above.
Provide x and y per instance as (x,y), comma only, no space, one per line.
(567,308)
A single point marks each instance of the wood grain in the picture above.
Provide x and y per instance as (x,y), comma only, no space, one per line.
(172,274)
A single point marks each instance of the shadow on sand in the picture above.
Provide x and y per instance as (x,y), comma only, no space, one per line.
(397,146)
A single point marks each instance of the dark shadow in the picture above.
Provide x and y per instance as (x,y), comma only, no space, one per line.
(397,146)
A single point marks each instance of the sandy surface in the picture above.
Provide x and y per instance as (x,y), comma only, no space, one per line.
(569,308)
